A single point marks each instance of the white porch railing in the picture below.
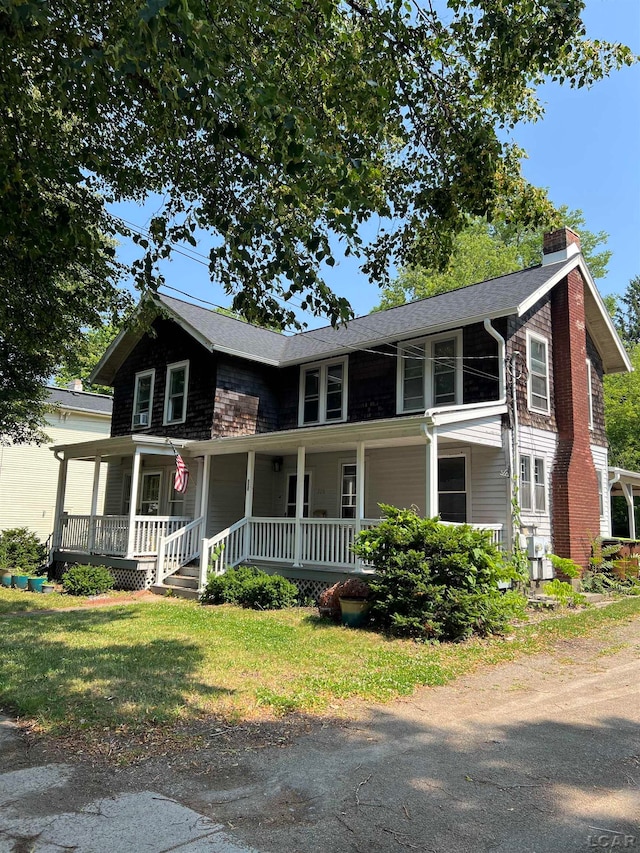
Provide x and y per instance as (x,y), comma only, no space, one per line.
(497,531)
(227,548)
(109,534)
(179,548)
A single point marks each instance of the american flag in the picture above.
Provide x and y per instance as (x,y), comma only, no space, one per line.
(181,479)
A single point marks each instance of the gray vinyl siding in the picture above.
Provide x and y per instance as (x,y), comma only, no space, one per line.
(227,492)
(166,465)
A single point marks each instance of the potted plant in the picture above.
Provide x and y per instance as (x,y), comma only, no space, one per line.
(346,600)
(5,577)
(354,604)
(19,580)
(36,583)
(48,587)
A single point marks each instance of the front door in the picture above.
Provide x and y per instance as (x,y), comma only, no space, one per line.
(150,493)
(291,496)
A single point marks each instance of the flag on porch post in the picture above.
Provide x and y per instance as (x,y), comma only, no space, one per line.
(181,479)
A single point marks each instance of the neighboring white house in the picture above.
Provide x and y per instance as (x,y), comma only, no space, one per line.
(29,472)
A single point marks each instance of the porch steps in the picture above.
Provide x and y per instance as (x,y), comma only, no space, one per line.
(184,584)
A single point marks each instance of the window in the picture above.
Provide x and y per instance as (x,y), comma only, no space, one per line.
(525,483)
(291,496)
(323,393)
(452,488)
(143,399)
(175,395)
(430,373)
(602,477)
(538,366)
(533,490)
(150,493)
(590,395)
(348,492)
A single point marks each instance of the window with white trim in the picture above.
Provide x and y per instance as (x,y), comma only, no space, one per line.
(538,367)
(590,395)
(143,399)
(348,491)
(323,393)
(175,393)
(430,373)
(452,488)
(533,487)
(602,476)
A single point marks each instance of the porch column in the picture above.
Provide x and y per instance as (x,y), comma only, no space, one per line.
(248,500)
(627,488)
(299,507)
(94,503)
(133,502)
(431,471)
(62,488)
(202,508)
(359,494)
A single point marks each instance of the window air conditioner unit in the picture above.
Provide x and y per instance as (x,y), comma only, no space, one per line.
(143,419)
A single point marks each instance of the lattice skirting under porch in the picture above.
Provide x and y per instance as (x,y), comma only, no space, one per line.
(133,579)
(310,588)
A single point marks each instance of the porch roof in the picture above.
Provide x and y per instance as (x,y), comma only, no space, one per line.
(620,476)
(380,433)
(124,445)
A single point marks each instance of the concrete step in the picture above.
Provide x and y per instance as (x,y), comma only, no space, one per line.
(178,591)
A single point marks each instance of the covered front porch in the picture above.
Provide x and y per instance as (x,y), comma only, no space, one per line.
(292,502)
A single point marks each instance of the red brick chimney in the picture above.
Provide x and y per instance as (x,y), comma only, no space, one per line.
(559,245)
(575,509)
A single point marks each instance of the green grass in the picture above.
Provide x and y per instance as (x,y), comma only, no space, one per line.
(138,665)
(19,601)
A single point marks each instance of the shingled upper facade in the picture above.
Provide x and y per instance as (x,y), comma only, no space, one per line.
(293,441)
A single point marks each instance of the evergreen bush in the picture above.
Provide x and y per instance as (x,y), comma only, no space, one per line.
(434,581)
(20,548)
(87,580)
(250,587)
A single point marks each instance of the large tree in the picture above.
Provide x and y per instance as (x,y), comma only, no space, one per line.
(485,250)
(273,126)
(622,414)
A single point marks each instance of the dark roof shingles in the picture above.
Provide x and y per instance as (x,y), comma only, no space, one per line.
(80,400)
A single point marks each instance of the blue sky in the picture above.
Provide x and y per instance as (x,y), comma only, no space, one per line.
(585,151)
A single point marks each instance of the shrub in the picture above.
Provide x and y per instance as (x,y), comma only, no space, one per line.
(250,587)
(565,566)
(21,549)
(564,593)
(87,580)
(433,580)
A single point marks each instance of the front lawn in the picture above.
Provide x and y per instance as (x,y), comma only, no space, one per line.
(139,665)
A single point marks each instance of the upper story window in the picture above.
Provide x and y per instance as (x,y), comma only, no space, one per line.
(538,367)
(590,395)
(430,373)
(143,399)
(323,393)
(175,395)
(532,484)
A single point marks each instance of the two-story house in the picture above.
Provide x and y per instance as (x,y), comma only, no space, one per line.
(457,404)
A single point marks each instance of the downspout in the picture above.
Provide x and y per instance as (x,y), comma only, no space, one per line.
(430,429)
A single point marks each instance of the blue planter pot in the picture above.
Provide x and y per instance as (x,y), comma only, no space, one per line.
(354,611)
(20,581)
(5,580)
(35,584)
